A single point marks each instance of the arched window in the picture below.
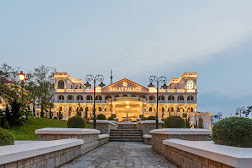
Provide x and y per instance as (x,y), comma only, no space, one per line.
(161,97)
(98,97)
(190,84)
(150,109)
(133,95)
(190,97)
(79,97)
(171,97)
(61,84)
(89,97)
(107,97)
(70,97)
(190,109)
(172,109)
(80,109)
(117,96)
(61,97)
(181,109)
(201,123)
(162,109)
(98,108)
(125,95)
(180,97)
(142,96)
(60,108)
(70,109)
(151,97)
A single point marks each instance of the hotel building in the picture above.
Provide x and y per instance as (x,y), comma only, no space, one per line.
(126,97)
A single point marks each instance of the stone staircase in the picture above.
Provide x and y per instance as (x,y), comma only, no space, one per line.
(126,133)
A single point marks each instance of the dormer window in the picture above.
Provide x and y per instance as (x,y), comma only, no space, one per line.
(190,84)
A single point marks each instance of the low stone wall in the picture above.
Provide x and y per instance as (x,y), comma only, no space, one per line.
(40,154)
(148,125)
(104,125)
(89,136)
(147,139)
(103,138)
(158,135)
(205,154)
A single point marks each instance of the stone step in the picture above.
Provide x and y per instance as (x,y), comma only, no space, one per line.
(127,140)
(127,136)
(117,134)
(127,126)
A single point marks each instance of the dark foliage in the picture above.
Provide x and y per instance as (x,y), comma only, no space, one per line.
(76,122)
(174,122)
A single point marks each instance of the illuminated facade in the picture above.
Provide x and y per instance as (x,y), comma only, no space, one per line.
(125,96)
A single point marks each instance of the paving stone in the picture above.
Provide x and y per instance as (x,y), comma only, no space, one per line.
(121,155)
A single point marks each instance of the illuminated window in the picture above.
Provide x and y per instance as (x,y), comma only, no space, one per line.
(61,97)
(161,97)
(150,109)
(98,97)
(151,97)
(89,97)
(79,97)
(70,97)
(190,84)
(171,97)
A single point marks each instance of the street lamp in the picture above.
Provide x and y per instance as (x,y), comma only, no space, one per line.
(21,77)
(240,110)
(97,78)
(161,79)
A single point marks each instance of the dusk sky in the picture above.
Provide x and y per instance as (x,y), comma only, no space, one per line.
(137,39)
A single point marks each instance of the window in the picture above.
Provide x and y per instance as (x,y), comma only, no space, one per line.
(171,97)
(180,97)
(181,109)
(151,97)
(70,108)
(70,97)
(98,97)
(190,97)
(190,109)
(61,97)
(190,84)
(150,109)
(125,95)
(161,97)
(61,84)
(163,109)
(89,97)
(117,96)
(107,97)
(142,96)
(133,95)
(99,109)
(60,108)
(79,97)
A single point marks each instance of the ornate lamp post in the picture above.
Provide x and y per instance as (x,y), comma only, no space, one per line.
(161,79)
(21,77)
(240,110)
(97,78)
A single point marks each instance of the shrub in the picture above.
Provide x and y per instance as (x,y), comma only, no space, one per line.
(151,118)
(174,122)
(111,118)
(76,122)
(144,118)
(6,138)
(101,117)
(114,115)
(233,131)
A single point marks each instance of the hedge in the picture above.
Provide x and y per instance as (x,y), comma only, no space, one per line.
(151,118)
(6,138)
(76,122)
(233,131)
(174,122)
(101,117)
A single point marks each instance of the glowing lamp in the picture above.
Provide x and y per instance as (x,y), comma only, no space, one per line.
(127,102)
(21,76)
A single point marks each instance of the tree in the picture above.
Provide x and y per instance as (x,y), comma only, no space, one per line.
(188,122)
(43,86)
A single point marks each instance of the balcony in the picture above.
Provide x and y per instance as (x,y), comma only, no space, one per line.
(180,101)
(191,101)
(79,101)
(171,101)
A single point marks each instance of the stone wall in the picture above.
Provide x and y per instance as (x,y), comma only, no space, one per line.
(159,135)
(39,154)
(148,125)
(89,136)
(104,126)
(187,160)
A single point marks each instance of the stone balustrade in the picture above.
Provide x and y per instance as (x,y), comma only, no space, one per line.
(104,125)
(40,154)
(206,154)
(89,136)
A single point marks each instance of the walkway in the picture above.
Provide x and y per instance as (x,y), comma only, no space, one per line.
(121,154)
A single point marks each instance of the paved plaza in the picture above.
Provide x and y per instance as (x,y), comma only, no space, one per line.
(121,154)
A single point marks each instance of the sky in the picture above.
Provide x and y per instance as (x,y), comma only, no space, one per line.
(137,39)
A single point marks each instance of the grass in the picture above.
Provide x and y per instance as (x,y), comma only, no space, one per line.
(27,131)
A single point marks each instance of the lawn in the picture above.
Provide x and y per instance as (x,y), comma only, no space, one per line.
(27,131)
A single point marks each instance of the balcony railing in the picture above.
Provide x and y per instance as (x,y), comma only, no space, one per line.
(79,101)
(181,101)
